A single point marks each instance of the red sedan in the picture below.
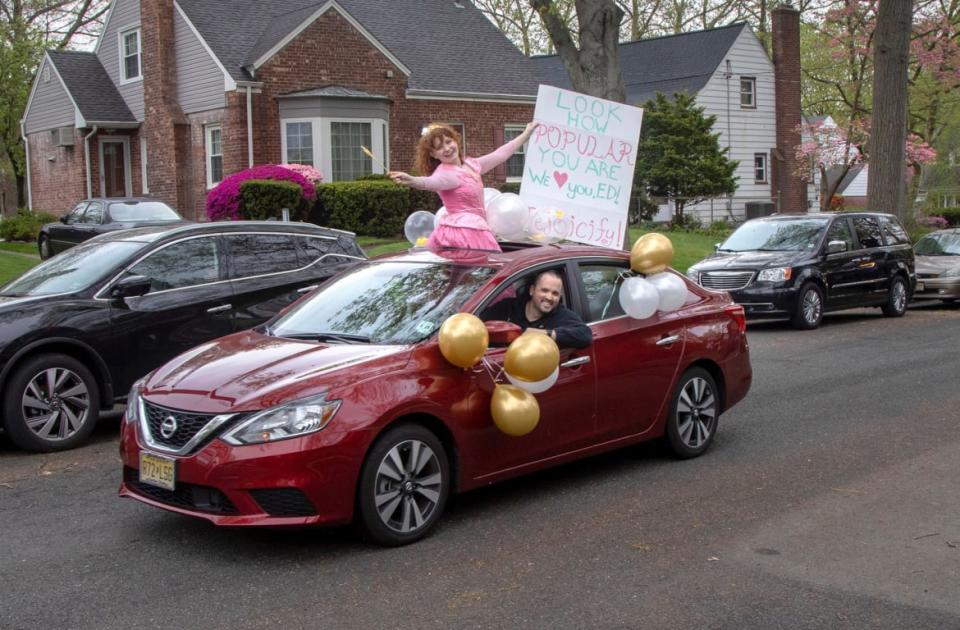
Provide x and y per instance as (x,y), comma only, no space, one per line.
(344,409)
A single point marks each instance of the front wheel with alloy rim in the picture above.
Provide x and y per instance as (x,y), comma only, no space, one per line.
(51,403)
(43,244)
(694,413)
(809,311)
(404,485)
(896,304)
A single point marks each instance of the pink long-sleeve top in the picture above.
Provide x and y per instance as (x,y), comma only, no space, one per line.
(461,189)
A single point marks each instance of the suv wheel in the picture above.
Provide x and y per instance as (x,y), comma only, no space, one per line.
(809,312)
(403,485)
(51,404)
(896,304)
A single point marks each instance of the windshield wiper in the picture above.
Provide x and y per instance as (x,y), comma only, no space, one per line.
(326,336)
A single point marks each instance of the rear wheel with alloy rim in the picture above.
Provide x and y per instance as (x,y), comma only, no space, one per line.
(404,485)
(51,403)
(694,413)
(809,311)
(44,245)
(896,304)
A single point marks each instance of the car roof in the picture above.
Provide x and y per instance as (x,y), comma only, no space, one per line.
(152,233)
(514,254)
(124,200)
(786,216)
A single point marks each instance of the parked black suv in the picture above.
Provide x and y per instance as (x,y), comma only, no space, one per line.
(78,329)
(801,265)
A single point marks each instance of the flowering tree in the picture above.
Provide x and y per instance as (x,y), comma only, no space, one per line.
(309,173)
(223,202)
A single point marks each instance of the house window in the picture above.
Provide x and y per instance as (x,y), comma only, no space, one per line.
(760,168)
(515,163)
(299,143)
(748,92)
(214,156)
(346,158)
(130,56)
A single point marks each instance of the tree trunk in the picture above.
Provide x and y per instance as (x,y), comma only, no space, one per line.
(887,181)
(21,191)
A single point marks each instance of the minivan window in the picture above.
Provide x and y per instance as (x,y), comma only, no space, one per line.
(840,231)
(893,233)
(776,236)
(868,232)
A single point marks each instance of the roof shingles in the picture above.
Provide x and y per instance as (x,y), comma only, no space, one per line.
(91,87)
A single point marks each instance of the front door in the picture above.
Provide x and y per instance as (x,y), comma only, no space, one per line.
(113,168)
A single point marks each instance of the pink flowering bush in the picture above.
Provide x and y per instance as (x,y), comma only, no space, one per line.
(937,223)
(311,174)
(223,202)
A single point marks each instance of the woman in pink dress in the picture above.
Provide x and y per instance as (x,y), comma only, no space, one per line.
(457,180)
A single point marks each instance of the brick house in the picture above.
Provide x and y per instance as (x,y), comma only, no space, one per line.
(179,93)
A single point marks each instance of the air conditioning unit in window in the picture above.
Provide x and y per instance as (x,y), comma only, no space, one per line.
(63,136)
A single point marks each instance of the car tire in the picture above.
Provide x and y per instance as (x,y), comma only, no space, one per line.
(43,244)
(404,485)
(896,304)
(51,403)
(694,414)
(809,311)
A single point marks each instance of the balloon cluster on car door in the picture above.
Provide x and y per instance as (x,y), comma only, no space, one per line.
(463,339)
(532,364)
(661,289)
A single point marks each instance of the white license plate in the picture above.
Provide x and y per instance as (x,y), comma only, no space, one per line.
(919,287)
(157,470)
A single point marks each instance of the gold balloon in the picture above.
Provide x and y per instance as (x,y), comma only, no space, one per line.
(515,411)
(532,357)
(463,339)
(652,253)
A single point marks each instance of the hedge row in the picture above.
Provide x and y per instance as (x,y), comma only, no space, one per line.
(25,225)
(262,199)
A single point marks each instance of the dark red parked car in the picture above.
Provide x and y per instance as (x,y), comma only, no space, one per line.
(343,407)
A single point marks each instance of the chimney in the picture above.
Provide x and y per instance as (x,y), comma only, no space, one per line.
(788,187)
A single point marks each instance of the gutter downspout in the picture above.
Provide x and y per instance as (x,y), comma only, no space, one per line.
(26,150)
(249,127)
(86,158)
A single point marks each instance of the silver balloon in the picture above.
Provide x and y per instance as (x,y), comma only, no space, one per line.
(639,298)
(418,227)
(440,214)
(488,195)
(535,387)
(672,290)
(507,216)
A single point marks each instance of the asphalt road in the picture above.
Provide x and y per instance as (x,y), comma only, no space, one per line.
(829,500)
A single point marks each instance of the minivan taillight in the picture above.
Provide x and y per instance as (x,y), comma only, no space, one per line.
(735,311)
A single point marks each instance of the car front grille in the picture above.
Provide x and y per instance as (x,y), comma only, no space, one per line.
(283,502)
(186,495)
(725,280)
(185,425)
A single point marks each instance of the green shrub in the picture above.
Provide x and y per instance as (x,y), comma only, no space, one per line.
(372,177)
(265,199)
(950,214)
(512,187)
(25,225)
(369,208)
(424,200)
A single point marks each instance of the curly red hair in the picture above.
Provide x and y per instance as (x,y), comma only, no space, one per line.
(425,163)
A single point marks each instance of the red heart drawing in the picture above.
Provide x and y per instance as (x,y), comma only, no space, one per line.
(561,178)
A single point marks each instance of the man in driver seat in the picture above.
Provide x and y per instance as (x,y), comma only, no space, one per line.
(541,311)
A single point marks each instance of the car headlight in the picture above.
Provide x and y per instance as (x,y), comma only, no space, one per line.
(951,273)
(694,274)
(294,419)
(775,274)
(132,413)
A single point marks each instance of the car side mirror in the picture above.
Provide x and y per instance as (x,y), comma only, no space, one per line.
(835,247)
(716,247)
(131,286)
(502,333)
(64,219)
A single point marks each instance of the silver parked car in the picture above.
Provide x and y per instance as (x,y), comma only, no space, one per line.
(938,265)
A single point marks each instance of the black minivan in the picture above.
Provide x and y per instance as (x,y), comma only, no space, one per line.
(801,265)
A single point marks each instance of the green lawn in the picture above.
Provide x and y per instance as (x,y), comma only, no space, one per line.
(12,265)
(17,246)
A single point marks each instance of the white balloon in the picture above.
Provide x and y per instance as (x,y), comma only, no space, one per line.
(548,225)
(672,290)
(507,216)
(639,298)
(419,225)
(535,387)
(488,195)
(436,218)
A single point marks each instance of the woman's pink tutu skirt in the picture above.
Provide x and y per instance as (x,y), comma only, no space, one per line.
(462,237)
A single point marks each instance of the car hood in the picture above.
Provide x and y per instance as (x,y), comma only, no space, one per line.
(936,264)
(748,260)
(250,371)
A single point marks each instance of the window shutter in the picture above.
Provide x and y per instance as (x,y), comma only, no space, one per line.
(500,172)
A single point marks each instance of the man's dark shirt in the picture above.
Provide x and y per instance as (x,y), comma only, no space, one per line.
(571,331)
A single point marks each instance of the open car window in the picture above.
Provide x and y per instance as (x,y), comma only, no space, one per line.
(520,285)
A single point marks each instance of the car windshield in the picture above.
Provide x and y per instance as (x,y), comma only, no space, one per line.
(384,303)
(776,236)
(142,211)
(73,270)
(938,244)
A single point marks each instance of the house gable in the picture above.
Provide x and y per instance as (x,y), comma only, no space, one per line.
(124,15)
(201,78)
(50,104)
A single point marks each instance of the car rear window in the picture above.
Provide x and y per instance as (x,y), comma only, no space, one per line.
(142,211)
(893,232)
(939,244)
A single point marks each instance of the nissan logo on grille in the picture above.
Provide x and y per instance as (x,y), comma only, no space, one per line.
(168,427)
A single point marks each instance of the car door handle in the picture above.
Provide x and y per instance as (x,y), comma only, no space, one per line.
(307,289)
(220,309)
(575,362)
(668,341)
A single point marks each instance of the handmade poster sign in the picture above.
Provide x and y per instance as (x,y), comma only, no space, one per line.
(578,168)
